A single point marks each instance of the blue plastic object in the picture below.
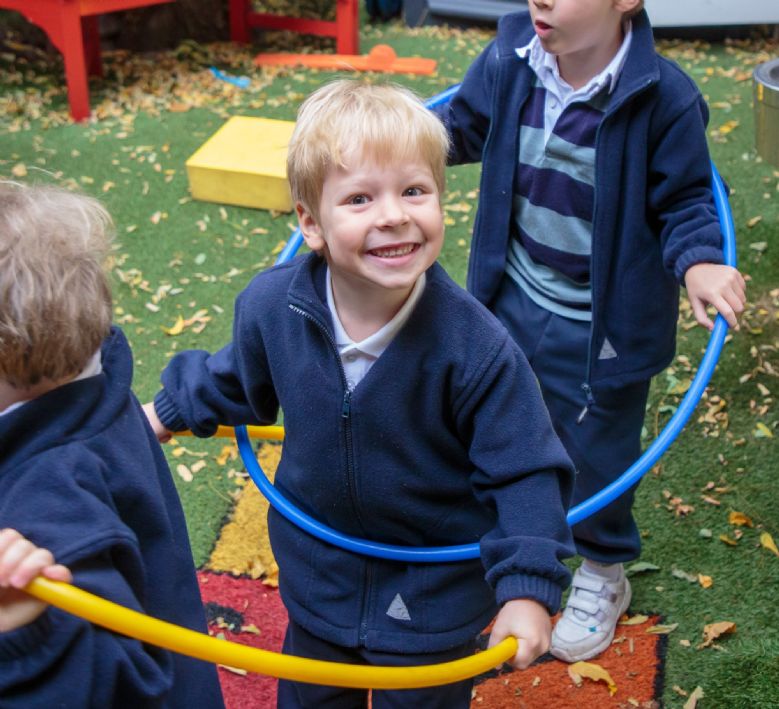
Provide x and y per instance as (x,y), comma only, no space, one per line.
(583,510)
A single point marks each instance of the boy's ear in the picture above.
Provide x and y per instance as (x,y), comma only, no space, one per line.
(312,232)
(624,6)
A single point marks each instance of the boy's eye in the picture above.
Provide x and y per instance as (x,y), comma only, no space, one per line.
(413,192)
(358,199)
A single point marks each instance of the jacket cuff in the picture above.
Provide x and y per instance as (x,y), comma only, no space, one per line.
(699,254)
(19,643)
(547,592)
(167,412)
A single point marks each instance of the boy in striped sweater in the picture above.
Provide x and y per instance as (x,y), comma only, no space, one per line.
(595,206)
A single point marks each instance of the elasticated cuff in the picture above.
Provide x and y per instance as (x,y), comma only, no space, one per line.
(547,592)
(167,412)
(19,643)
(700,254)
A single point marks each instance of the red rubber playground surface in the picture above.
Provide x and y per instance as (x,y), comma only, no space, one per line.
(243,605)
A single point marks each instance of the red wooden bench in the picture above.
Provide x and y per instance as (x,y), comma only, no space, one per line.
(72,27)
(345,29)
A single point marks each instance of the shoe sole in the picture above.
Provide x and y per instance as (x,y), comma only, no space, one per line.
(565,656)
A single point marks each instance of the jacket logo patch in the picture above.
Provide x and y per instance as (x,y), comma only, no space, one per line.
(397,609)
(607,351)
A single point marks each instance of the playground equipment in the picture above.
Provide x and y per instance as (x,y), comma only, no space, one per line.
(381,58)
(188,642)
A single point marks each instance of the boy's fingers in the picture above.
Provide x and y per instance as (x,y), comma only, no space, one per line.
(701,316)
(724,308)
(12,557)
(30,566)
(58,572)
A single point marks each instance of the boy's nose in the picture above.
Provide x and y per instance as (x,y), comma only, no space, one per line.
(392,212)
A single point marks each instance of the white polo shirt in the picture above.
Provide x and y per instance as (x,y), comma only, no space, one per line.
(358,357)
(559,93)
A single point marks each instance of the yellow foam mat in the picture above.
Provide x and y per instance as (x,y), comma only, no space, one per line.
(244,163)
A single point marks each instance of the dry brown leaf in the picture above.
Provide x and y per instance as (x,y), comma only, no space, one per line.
(184,473)
(712,631)
(590,670)
(692,702)
(767,542)
(705,581)
(739,519)
(660,629)
(634,620)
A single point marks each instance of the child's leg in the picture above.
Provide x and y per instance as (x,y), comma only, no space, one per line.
(299,695)
(602,444)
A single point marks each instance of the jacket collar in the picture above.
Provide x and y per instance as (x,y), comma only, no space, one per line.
(641,67)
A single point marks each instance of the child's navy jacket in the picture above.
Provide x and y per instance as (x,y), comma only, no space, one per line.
(654,214)
(445,441)
(82,474)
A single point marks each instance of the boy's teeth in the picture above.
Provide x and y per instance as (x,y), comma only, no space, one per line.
(395,251)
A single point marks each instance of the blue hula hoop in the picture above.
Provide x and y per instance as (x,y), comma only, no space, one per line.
(575,515)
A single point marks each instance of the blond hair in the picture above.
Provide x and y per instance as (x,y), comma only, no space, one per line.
(55,301)
(384,122)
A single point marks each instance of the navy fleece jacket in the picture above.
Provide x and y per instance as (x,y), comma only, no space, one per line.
(82,474)
(654,214)
(445,441)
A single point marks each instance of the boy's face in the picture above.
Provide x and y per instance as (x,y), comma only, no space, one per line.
(571,27)
(380,225)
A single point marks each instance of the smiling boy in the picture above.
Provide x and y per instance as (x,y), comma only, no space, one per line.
(411,417)
(595,205)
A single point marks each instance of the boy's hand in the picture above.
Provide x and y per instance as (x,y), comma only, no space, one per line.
(529,622)
(162,433)
(721,286)
(20,562)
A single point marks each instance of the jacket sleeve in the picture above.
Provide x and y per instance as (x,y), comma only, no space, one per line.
(467,115)
(679,192)
(60,659)
(523,474)
(230,387)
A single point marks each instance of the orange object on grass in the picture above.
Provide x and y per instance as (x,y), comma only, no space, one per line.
(381,58)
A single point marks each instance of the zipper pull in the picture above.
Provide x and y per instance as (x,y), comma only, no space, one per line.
(590,401)
(347,404)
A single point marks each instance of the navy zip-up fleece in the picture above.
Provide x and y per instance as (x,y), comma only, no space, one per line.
(445,441)
(654,214)
(82,474)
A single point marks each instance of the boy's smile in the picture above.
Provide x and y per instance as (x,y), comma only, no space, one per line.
(380,226)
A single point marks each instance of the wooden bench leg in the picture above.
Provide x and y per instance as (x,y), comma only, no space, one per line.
(91,31)
(239,22)
(72,48)
(347,17)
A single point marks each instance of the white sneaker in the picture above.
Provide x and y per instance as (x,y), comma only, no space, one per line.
(590,617)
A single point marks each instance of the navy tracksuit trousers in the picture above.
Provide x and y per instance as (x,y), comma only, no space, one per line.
(603,443)
(299,695)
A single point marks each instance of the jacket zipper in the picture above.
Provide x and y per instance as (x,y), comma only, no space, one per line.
(346,408)
(586,385)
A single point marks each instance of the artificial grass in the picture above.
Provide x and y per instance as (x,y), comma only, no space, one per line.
(176,257)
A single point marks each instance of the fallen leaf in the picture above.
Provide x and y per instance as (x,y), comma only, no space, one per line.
(679,574)
(727,540)
(767,542)
(176,329)
(662,629)
(712,631)
(234,670)
(184,472)
(19,170)
(635,620)
(692,702)
(640,567)
(590,670)
(762,431)
(705,581)
(739,519)
(753,221)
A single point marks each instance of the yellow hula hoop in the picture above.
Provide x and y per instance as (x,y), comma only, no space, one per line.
(268,433)
(223,652)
